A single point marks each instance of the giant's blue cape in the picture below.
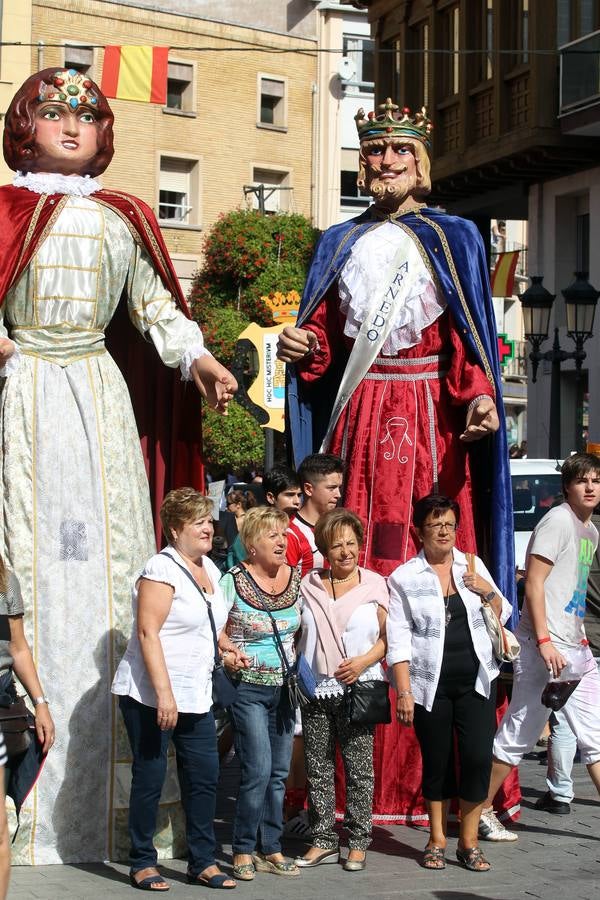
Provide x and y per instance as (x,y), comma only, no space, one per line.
(453,248)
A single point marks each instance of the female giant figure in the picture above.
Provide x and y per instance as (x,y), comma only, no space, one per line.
(76,521)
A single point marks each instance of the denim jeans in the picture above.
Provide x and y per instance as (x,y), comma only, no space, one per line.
(195,743)
(562,747)
(263,726)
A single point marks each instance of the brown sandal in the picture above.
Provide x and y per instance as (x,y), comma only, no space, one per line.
(434,858)
(473,859)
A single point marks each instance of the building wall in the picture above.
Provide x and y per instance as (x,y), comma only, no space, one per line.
(219,131)
(14,61)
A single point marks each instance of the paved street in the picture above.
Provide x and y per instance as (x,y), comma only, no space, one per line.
(556,858)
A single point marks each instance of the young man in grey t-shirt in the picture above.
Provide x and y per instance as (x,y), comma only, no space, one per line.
(552,634)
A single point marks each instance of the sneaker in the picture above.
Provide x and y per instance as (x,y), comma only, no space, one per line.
(556,807)
(492,829)
(298,827)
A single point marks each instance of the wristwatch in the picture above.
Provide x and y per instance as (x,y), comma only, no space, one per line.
(489,597)
(37,700)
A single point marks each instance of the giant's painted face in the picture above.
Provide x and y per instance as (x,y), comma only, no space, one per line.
(391,169)
(59,121)
(66,139)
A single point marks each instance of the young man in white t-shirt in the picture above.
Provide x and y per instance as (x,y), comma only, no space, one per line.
(551,633)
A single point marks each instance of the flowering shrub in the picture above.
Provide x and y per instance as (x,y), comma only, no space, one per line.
(232,442)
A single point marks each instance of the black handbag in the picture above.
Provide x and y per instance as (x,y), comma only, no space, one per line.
(299,678)
(16,723)
(368,703)
(224,690)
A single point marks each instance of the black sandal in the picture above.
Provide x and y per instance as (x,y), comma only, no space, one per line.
(473,859)
(434,858)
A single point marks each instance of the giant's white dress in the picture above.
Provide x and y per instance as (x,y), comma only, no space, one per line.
(76,521)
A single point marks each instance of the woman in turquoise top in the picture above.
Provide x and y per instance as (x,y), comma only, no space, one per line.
(259,591)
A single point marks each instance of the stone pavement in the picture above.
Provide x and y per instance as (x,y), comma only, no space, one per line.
(555,858)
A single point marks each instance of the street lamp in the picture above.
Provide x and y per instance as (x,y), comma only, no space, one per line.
(580,304)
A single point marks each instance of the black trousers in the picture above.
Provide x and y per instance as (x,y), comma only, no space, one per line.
(463,720)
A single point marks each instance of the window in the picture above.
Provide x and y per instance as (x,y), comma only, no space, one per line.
(582,238)
(362,53)
(79,58)
(180,86)
(519,21)
(350,195)
(273,190)
(178,191)
(451,56)
(272,111)
(576,18)
(418,66)
(485,34)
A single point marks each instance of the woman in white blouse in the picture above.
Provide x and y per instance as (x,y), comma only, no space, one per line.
(165,687)
(344,611)
(444,672)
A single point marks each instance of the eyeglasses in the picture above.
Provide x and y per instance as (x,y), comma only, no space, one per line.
(438,526)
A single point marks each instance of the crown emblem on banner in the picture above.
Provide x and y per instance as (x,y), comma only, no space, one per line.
(391,121)
(284,307)
(71,87)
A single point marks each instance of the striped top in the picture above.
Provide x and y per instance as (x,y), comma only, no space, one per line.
(416,624)
(3,755)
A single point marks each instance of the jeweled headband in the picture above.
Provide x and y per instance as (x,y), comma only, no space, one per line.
(71,87)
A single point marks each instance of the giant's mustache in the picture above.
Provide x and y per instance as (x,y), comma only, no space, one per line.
(377,171)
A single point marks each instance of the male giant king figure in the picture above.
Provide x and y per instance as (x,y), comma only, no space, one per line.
(396,370)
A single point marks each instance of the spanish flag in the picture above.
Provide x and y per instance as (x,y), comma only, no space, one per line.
(503,276)
(136,73)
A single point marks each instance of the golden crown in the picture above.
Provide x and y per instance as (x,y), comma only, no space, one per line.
(283,306)
(71,87)
(391,121)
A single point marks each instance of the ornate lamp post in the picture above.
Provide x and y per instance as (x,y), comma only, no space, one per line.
(580,304)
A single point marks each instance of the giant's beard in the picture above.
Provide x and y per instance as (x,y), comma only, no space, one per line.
(390,191)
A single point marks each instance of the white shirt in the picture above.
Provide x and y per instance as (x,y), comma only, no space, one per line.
(416,624)
(186,638)
(569,544)
(361,633)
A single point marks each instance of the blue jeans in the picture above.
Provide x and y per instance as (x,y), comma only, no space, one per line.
(263,725)
(562,747)
(195,743)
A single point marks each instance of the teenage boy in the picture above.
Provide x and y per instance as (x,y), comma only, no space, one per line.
(320,476)
(281,487)
(551,633)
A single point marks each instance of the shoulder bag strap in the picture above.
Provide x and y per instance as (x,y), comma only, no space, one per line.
(206,600)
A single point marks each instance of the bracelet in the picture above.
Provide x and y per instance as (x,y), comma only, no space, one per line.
(544,640)
(476,400)
(404,693)
(38,700)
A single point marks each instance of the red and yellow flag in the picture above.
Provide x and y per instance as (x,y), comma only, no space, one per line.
(136,73)
(503,276)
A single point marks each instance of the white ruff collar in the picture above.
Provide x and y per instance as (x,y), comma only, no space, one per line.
(53,183)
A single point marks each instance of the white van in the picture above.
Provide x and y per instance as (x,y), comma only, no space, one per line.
(536,488)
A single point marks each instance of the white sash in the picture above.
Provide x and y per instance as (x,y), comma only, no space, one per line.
(404,270)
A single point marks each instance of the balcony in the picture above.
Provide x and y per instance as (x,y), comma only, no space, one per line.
(579,111)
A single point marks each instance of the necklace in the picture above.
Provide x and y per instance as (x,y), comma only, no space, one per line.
(448,613)
(343,580)
(260,578)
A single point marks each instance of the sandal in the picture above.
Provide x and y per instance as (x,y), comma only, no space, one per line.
(281,867)
(472,859)
(146,884)
(434,858)
(212,881)
(244,871)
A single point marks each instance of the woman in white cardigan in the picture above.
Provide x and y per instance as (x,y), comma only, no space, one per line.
(445,671)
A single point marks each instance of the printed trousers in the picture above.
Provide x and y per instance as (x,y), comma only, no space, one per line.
(325,724)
